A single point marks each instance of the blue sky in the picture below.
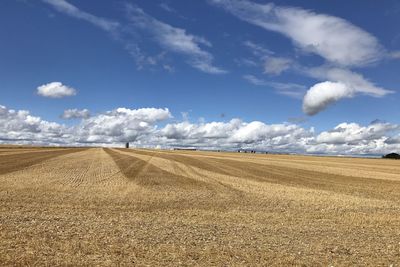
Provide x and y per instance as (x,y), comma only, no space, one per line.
(313,65)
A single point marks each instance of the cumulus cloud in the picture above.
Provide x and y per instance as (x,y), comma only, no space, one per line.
(21,127)
(75,114)
(355,139)
(323,94)
(65,7)
(234,134)
(143,128)
(334,39)
(118,125)
(121,125)
(176,40)
(55,90)
(348,133)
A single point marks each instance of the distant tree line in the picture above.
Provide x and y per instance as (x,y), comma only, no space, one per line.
(391,156)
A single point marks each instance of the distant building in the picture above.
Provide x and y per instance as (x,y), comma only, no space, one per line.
(127,145)
(246,151)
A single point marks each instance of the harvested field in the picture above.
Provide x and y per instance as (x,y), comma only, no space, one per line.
(147,207)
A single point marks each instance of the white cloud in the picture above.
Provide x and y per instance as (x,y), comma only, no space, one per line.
(234,134)
(64,7)
(142,127)
(335,39)
(257,49)
(272,64)
(173,39)
(167,7)
(323,94)
(276,65)
(75,114)
(121,125)
(350,78)
(355,139)
(254,80)
(394,54)
(246,62)
(341,84)
(21,127)
(55,90)
(176,40)
(289,89)
(354,133)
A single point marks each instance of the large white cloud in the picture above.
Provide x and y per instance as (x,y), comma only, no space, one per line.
(352,138)
(342,83)
(20,126)
(55,90)
(353,133)
(235,134)
(323,94)
(352,79)
(120,125)
(335,39)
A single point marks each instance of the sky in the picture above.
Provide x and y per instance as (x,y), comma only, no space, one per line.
(312,77)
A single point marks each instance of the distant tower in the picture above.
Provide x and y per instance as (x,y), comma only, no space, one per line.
(127,145)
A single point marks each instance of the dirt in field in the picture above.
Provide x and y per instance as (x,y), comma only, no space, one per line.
(107,207)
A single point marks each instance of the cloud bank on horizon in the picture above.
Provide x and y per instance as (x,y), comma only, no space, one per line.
(142,127)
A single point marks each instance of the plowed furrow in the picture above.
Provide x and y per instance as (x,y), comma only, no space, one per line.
(144,173)
(289,175)
(16,162)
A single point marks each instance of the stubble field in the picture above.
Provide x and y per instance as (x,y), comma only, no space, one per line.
(70,206)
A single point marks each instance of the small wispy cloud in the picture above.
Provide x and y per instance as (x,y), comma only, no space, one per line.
(288,89)
(170,38)
(167,7)
(71,10)
(257,49)
(394,54)
(76,114)
(175,40)
(276,65)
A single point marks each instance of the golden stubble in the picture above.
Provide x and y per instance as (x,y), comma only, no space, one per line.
(151,207)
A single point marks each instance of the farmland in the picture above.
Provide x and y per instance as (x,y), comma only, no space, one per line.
(95,206)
